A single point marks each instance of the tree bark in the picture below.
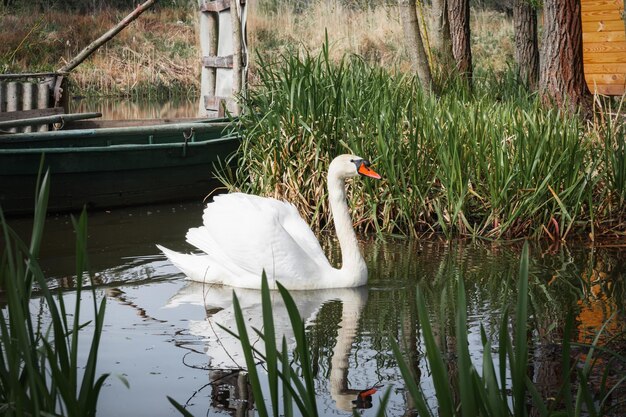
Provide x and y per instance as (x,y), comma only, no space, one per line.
(526,43)
(442,40)
(562,79)
(459,17)
(414,43)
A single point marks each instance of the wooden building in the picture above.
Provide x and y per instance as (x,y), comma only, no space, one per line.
(604,46)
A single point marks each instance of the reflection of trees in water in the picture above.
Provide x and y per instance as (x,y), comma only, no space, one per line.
(137,109)
(589,283)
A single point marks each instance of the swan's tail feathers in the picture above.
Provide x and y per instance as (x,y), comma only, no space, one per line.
(196,267)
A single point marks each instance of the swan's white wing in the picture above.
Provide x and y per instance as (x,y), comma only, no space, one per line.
(302,234)
(247,234)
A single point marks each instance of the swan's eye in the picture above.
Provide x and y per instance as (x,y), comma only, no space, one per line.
(357,162)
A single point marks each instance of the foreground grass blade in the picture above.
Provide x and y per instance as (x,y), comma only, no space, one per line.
(414,390)
(302,349)
(253,375)
(437,365)
(271,353)
(466,368)
(286,378)
(179,407)
(520,364)
(39,370)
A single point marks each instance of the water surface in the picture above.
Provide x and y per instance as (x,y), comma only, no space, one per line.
(162,332)
(115,108)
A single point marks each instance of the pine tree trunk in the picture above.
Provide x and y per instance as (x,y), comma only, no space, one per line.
(459,17)
(414,44)
(562,79)
(526,43)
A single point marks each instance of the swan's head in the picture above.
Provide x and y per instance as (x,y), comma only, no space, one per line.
(346,166)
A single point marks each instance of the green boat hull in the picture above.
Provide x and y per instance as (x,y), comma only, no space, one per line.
(102,168)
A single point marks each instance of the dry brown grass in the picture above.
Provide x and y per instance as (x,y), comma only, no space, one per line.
(156,53)
(159,53)
(376,34)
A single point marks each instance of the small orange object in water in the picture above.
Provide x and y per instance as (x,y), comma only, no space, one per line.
(367,392)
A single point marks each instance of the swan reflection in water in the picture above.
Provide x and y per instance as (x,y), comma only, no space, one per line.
(224,350)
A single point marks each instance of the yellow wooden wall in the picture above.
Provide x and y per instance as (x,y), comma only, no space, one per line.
(604,46)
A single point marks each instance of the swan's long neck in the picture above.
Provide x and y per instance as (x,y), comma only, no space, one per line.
(353,266)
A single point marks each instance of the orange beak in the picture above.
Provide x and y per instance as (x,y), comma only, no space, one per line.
(368,172)
(367,392)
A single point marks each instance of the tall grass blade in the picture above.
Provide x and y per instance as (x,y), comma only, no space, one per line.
(437,365)
(286,378)
(297,324)
(271,353)
(414,390)
(520,364)
(179,407)
(466,368)
(253,375)
(382,406)
(493,401)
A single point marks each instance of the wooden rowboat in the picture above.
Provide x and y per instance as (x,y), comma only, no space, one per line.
(100,167)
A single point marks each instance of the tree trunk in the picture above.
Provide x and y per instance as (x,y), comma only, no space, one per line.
(459,17)
(414,43)
(442,40)
(562,79)
(526,43)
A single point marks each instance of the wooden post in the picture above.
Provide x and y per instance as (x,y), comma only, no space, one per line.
(237,46)
(222,39)
(208,46)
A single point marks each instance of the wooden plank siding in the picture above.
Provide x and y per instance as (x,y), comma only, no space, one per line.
(604,46)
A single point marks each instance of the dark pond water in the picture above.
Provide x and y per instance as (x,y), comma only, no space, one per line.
(162,332)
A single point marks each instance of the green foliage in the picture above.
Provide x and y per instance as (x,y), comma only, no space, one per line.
(492,163)
(614,135)
(40,373)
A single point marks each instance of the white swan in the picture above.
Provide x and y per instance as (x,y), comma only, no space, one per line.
(244,235)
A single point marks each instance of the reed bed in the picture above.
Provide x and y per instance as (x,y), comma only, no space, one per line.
(41,370)
(492,163)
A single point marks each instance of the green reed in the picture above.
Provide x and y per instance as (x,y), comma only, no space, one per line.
(492,163)
(613,134)
(40,372)
(504,388)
